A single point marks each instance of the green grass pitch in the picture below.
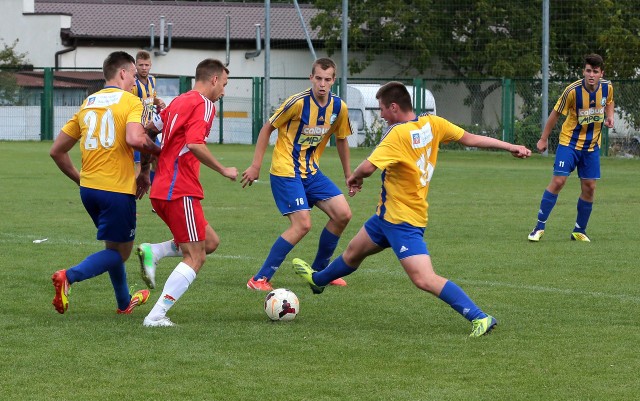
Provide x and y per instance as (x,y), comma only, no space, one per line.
(568,311)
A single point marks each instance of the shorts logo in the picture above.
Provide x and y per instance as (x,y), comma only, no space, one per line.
(403,249)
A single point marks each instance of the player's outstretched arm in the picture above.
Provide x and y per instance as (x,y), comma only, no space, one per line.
(480,141)
(202,153)
(253,171)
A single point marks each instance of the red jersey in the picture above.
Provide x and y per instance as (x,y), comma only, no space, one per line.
(187,120)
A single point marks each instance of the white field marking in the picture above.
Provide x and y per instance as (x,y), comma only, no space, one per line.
(11,238)
(538,288)
(237,257)
(534,288)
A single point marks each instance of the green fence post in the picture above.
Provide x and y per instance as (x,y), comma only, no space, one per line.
(221,119)
(185,84)
(46,106)
(508,97)
(256,120)
(418,95)
(605,140)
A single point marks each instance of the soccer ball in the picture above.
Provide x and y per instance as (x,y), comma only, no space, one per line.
(281,304)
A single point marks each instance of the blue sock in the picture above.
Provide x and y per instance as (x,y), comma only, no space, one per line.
(94,265)
(118,275)
(336,269)
(327,244)
(278,253)
(584,212)
(152,175)
(546,206)
(460,301)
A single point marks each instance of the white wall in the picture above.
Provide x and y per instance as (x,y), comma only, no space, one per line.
(39,35)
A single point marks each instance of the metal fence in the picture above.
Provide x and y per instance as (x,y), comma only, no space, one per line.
(34,105)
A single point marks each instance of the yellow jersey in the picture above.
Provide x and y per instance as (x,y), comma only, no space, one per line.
(407,156)
(582,128)
(147,94)
(100,127)
(304,128)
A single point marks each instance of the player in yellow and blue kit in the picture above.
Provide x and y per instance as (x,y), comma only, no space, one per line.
(107,127)
(145,88)
(588,104)
(407,155)
(305,123)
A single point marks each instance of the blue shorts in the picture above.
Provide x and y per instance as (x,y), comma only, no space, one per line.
(293,194)
(405,240)
(113,213)
(568,159)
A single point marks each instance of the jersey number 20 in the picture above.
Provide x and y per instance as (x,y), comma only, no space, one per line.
(107,134)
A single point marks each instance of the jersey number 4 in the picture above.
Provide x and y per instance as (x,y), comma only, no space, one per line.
(106,135)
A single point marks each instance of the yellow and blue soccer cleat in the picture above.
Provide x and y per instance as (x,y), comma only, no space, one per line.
(576,236)
(305,271)
(483,326)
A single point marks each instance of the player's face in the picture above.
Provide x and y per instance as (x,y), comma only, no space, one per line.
(143,67)
(321,82)
(129,76)
(218,86)
(387,113)
(592,76)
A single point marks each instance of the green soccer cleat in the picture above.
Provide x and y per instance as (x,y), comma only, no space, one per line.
(483,326)
(147,265)
(576,236)
(305,271)
(535,235)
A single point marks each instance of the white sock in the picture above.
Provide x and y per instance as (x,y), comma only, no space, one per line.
(176,285)
(163,249)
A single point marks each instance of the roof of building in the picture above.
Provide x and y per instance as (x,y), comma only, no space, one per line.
(130,19)
(61,79)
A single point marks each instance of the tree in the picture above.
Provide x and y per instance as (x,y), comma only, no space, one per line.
(10,61)
(480,39)
(470,39)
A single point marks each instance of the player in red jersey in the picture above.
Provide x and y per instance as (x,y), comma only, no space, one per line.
(176,190)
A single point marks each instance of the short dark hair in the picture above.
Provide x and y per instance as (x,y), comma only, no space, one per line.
(325,63)
(209,67)
(594,60)
(395,92)
(114,62)
(143,55)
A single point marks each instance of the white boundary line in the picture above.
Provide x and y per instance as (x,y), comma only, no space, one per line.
(538,288)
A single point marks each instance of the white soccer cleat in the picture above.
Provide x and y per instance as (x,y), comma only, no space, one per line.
(535,235)
(163,322)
